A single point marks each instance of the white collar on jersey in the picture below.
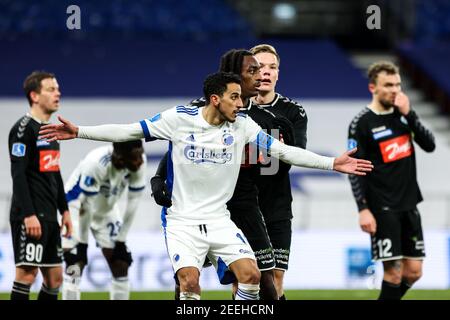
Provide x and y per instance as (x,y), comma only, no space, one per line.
(249,105)
(380,113)
(270,104)
(36,119)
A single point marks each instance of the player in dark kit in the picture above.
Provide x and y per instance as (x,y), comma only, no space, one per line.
(244,206)
(274,188)
(387,197)
(38,192)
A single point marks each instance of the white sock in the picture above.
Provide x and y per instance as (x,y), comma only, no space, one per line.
(120,289)
(70,288)
(247,291)
(189,296)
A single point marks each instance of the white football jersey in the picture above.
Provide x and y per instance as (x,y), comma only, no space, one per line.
(204,161)
(95,176)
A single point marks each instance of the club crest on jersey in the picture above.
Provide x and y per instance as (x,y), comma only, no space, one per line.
(49,160)
(227,139)
(89,181)
(396,148)
(18,149)
(351,144)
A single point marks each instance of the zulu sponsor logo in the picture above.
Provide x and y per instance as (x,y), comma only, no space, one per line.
(49,161)
(396,148)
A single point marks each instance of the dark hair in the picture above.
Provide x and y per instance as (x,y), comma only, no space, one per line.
(232,60)
(33,83)
(125,148)
(216,83)
(380,66)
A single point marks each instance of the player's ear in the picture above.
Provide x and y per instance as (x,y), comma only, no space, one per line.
(372,88)
(215,99)
(34,96)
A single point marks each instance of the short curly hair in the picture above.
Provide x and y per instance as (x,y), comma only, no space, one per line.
(380,66)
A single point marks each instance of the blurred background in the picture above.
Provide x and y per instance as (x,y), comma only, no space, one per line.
(132,59)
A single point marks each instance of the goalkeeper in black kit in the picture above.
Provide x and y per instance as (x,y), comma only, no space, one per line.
(387,197)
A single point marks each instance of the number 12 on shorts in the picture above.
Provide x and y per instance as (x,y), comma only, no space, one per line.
(384,248)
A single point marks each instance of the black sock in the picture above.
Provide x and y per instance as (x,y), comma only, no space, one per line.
(404,286)
(389,291)
(283,297)
(20,291)
(48,293)
(177,292)
(267,289)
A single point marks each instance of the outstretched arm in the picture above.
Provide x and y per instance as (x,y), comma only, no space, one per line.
(108,132)
(304,158)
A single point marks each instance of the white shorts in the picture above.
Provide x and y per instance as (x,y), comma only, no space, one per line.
(222,241)
(105,227)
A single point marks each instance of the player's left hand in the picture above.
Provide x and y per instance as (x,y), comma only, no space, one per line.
(66,222)
(160,192)
(121,252)
(402,103)
(346,164)
(64,131)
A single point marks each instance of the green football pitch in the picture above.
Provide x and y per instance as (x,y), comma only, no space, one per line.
(290,294)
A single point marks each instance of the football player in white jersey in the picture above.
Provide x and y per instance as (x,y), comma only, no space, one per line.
(206,146)
(93,192)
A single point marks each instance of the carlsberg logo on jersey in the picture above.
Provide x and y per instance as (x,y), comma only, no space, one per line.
(198,155)
(201,154)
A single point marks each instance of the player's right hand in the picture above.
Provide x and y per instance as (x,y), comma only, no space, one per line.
(33,227)
(346,164)
(160,192)
(367,221)
(64,131)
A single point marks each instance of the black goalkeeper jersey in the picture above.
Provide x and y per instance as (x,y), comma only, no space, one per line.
(37,184)
(271,191)
(290,119)
(387,141)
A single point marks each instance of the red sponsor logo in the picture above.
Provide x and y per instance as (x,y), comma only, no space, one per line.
(49,161)
(396,149)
